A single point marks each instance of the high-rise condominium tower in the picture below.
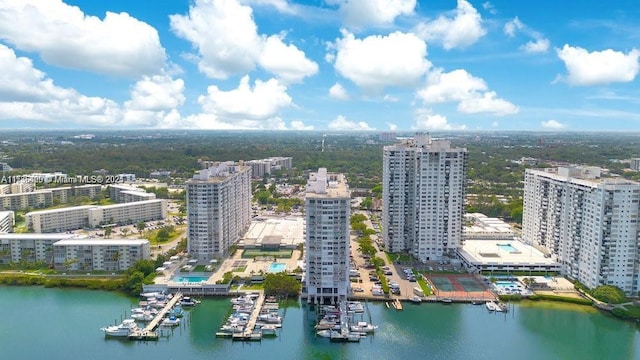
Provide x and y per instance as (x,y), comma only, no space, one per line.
(587,223)
(423,190)
(327,211)
(218,209)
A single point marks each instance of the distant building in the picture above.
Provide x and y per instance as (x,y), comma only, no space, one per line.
(7,221)
(327,211)
(128,178)
(78,217)
(4,167)
(423,192)
(586,223)
(22,195)
(218,209)
(20,201)
(481,227)
(388,136)
(128,193)
(635,164)
(29,247)
(99,254)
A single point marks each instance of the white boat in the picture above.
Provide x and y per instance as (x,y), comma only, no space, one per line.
(328,333)
(187,301)
(268,330)
(491,306)
(363,327)
(230,329)
(127,327)
(272,318)
(170,321)
(416,299)
(143,316)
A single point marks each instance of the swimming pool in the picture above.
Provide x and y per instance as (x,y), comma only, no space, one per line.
(508,285)
(277,267)
(190,279)
(508,248)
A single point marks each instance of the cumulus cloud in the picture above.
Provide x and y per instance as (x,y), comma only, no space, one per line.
(282,6)
(392,126)
(489,7)
(226,37)
(459,29)
(538,46)
(361,13)
(64,36)
(154,101)
(246,107)
(376,62)
(341,123)
(27,94)
(299,125)
(552,124)
(287,61)
(337,91)
(426,120)
(470,92)
(598,67)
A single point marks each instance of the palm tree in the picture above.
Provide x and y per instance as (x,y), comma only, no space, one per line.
(107,232)
(124,232)
(141,226)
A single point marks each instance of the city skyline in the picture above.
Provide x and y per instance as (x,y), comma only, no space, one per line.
(332,65)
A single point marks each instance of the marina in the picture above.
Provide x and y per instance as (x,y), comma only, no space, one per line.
(341,324)
(254,316)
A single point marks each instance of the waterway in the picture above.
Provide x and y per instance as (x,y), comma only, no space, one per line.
(40,323)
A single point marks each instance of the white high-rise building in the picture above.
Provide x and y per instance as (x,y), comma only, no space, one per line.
(218,209)
(327,210)
(586,223)
(423,190)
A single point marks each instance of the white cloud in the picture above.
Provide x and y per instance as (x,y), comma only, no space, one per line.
(341,123)
(552,124)
(392,127)
(470,92)
(513,26)
(154,101)
(226,37)
(376,62)
(245,107)
(461,29)
(426,120)
(538,46)
(64,36)
(282,6)
(27,94)
(361,13)
(489,7)
(599,67)
(488,102)
(299,125)
(337,91)
(495,123)
(287,61)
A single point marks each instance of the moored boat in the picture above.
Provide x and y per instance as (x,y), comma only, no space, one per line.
(126,328)
(491,306)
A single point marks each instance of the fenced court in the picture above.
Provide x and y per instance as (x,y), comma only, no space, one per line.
(459,287)
(257,253)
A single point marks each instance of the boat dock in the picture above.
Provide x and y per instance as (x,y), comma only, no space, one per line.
(248,334)
(397,304)
(148,332)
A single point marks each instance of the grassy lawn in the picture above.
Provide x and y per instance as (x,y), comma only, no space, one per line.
(633,311)
(249,287)
(423,285)
(152,235)
(239,269)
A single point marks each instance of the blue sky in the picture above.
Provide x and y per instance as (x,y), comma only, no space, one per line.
(320,65)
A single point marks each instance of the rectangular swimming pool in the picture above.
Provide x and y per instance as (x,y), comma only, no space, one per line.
(508,248)
(277,267)
(190,279)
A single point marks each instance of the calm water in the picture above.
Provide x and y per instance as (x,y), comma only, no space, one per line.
(42,323)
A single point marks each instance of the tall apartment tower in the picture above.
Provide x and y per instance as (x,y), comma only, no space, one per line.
(423,191)
(327,208)
(218,209)
(587,223)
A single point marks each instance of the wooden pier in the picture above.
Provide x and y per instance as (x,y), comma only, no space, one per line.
(247,334)
(148,332)
(397,304)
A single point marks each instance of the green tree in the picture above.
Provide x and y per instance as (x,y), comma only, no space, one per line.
(609,294)
(281,284)
(140,227)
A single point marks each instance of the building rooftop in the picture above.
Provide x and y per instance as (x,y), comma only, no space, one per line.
(502,252)
(90,242)
(324,184)
(288,230)
(32,236)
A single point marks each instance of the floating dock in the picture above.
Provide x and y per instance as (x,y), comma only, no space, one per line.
(148,332)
